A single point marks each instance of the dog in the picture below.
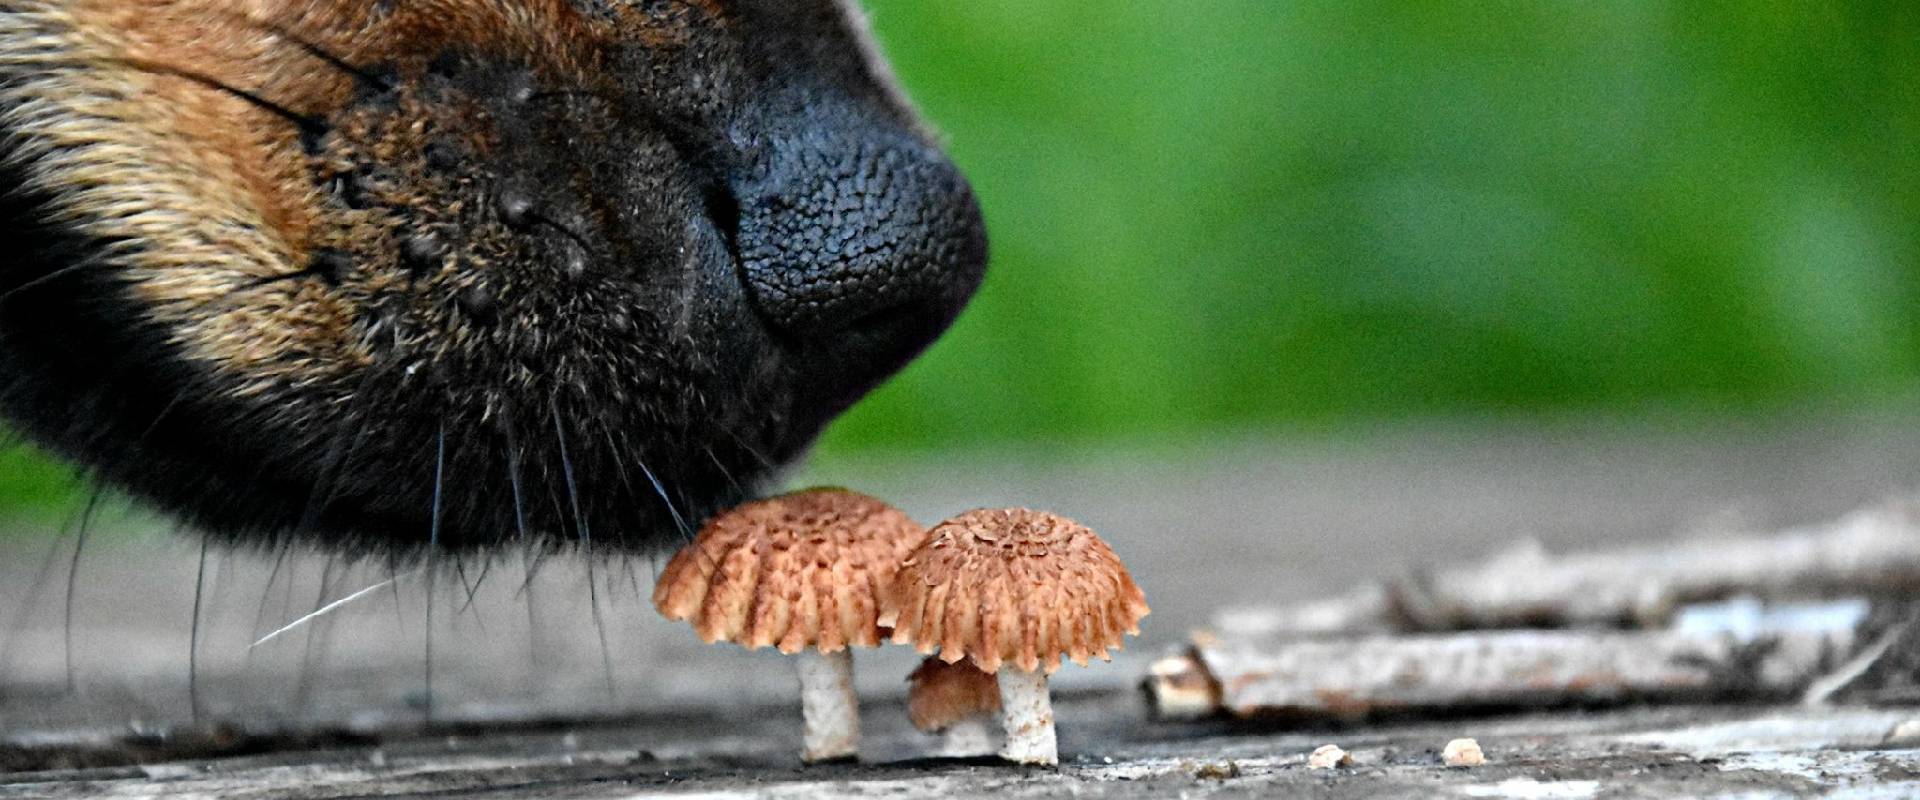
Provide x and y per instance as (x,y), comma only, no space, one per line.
(387,276)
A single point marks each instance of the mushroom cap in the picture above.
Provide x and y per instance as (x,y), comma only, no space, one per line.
(940,694)
(794,571)
(1013,586)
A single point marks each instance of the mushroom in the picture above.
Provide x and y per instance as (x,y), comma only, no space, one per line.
(1010,590)
(956,700)
(800,572)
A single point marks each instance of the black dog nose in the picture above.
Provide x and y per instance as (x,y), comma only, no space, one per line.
(863,244)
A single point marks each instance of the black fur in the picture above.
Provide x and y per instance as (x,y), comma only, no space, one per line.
(624,304)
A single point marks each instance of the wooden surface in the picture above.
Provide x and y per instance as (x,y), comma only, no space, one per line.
(1107,751)
(337,708)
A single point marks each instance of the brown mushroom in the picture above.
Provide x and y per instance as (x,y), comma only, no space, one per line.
(1014,588)
(956,700)
(801,572)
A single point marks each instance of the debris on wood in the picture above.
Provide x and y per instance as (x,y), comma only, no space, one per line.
(1213,770)
(1180,687)
(1329,756)
(1747,619)
(1874,551)
(1355,677)
(1905,734)
(1463,753)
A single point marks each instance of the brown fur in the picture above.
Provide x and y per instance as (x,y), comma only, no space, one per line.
(228,197)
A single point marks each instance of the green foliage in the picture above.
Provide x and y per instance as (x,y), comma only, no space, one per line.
(33,488)
(1245,212)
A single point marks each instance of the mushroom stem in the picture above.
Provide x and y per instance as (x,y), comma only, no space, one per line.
(829,708)
(967,738)
(1027,714)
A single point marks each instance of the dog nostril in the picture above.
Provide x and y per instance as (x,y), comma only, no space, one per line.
(723,208)
(879,239)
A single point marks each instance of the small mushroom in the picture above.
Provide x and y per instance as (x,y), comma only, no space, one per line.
(1010,590)
(956,700)
(800,572)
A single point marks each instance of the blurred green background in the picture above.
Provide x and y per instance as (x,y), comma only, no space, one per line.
(1240,215)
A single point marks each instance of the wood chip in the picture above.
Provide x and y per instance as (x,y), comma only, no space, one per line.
(1355,677)
(1463,753)
(1329,756)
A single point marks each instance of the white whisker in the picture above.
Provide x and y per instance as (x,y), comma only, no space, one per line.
(333,606)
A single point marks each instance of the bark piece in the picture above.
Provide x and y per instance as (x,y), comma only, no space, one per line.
(1875,551)
(1871,551)
(1355,677)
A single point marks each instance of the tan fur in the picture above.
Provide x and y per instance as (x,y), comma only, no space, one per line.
(209,186)
(214,191)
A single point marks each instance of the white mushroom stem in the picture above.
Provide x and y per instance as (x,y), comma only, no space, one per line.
(828,706)
(968,738)
(1027,714)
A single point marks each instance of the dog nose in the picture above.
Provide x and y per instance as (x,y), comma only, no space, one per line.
(860,241)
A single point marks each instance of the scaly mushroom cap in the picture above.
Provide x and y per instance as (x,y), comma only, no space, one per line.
(942,694)
(1014,586)
(795,571)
